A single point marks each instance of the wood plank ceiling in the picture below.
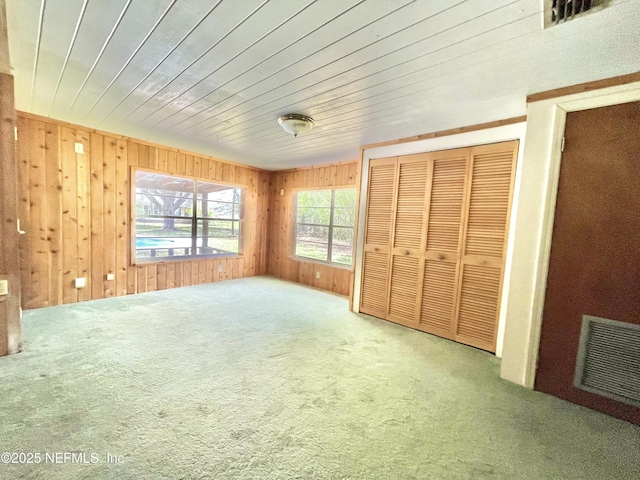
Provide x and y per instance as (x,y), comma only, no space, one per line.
(214,75)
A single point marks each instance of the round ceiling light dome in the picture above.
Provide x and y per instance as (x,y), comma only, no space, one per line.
(296,124)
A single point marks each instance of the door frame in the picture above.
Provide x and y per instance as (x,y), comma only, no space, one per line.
(515,131)
(534,220)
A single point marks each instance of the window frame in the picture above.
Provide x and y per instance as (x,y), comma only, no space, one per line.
(134,260)
(294,220)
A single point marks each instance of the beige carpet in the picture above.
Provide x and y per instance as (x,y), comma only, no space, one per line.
(263,379)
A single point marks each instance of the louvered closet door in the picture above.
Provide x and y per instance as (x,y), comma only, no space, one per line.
(435,240)
(408,243)
(443,241)
(484,244)
(381,197)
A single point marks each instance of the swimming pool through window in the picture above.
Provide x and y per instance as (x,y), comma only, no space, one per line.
(179,217)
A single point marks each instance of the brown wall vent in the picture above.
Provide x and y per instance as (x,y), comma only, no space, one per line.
(608,361)
(561,11)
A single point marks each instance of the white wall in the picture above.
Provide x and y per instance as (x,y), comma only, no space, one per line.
(491,135)
(534,224)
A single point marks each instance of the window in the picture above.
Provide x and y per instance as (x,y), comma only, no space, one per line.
(179,217)
(325,222)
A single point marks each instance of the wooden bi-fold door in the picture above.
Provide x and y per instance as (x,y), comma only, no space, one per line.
(435,240)
(377,235)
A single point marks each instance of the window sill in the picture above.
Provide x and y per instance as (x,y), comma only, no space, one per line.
(341,266)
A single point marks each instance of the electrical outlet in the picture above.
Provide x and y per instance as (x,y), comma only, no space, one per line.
(80,282)
(111,276)
(4,287)
(317,274)
(219,267)
(79,147)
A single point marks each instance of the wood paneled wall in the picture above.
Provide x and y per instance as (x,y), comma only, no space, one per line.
(75,209)
(281,261)
(10,336)
(10,328)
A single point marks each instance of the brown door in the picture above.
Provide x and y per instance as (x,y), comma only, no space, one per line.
(594,267)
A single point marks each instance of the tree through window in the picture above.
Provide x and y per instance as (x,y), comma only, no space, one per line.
(182,217)
(325,221)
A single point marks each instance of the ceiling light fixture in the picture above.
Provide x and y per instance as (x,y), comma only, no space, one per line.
(296,124)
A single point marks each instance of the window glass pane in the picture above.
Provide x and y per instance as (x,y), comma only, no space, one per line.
(312,233)
(217,193)
(218,237)
(342,245)
(162,237)
(345,198)
(162,227)
(341,254)
(315,198)
(146,248)
(312,250)
(312,242)
(344,217)
(229,211)
(221,203)
(163,195)
(343,236)
(217,246)
(318,216)
(218,228)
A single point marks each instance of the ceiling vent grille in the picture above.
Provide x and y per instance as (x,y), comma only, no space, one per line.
(608,361)
(561,11)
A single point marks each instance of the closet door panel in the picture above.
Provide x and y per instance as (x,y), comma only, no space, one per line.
(381,196)
(406,278)
(412,181)
(378,225)
(484,244)
(443,234)
(478,308)
(403,292)
(438,297)
(447,197)
(375,283)
(489,201)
